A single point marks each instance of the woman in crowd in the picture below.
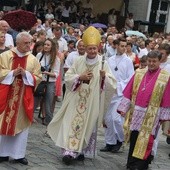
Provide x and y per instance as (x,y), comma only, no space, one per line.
(65,15)
(50,65)
(33,32)
(41,35)
(132,55)
(38,47)
(2,43)
(112,17)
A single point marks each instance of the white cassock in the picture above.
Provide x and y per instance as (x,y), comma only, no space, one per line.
(71,58)
(15,146)
(122,69)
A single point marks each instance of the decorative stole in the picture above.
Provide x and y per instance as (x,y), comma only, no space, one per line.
(144,137)
(137,80)
(14,99)
(75,142)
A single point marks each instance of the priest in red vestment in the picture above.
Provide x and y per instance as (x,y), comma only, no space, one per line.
(19,75)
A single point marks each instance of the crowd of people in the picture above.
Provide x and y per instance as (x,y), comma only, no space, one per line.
(102,76)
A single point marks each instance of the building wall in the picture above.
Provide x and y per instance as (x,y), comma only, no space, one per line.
(103,6)
(139,9)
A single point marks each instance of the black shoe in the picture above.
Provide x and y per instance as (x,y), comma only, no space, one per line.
(133,168)
(22,161)
(168,140)
(80,157)
(117,147)
(137,168)
(67,159)
(4,159)
(107,148)
(150,159)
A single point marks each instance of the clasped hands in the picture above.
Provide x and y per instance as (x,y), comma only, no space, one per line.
(88,75)
(19,71)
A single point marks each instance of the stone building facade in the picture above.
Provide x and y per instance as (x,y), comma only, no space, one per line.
(156,11)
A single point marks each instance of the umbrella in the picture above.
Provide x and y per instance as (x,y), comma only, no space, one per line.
(20,19)
(99,25)
(75,25)
(137,33)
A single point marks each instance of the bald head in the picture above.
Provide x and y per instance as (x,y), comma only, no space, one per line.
(4,26)
(129,39)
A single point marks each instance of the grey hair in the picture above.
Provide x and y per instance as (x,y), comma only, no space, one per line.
(154,54)
(21,35)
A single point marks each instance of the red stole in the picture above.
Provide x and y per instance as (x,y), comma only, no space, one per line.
(15,95)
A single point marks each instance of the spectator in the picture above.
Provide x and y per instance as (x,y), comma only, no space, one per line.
(2,43)
(129,22)
(34,34)
(112,17)
(41,35)
(65,16)
(132,55)
(143,62)
(51,66)
(38,47)
(70,36)
(71,46)
(4,27)
(49,15)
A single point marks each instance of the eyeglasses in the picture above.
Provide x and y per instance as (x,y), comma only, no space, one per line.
(76,32)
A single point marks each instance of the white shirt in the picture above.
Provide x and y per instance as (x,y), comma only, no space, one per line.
(71,58)
(49,16)
(50,33)
(168,59)
(142,52)
(129,22)
(125,70)
(40,27)
(66,12)
(62,44)
(45,62)
(110,52)
(9,42)
(165,66)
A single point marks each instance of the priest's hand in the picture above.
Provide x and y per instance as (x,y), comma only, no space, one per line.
(87,75)
(16,72)
(122,114)
(19,71)
(49,73)
(22,71)
(102,74)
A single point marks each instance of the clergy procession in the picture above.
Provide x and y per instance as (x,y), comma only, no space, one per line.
(89,96)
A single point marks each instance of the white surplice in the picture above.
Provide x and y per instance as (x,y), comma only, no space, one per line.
(122,69)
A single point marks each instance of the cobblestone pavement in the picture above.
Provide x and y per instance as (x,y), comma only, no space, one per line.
(42,154)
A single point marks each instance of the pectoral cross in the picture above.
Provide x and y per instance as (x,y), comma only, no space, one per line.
(116,68)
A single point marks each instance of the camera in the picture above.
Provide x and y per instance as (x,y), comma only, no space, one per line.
(43,69)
